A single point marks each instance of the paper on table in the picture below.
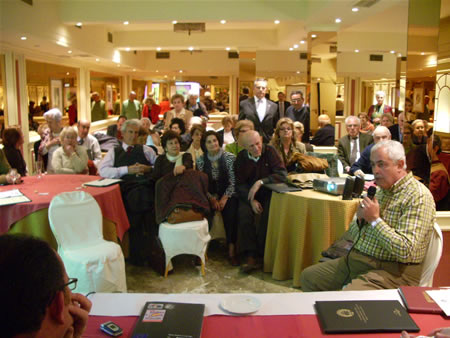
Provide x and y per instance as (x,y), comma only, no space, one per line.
(103,182)
(10,193)
(130,304)
(442,298)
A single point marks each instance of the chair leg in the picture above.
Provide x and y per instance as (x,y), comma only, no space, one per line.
(167,271)
(203,268)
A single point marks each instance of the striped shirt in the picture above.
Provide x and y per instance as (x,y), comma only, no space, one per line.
(408,213)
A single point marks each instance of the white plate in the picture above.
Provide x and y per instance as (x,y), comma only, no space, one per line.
(240,304)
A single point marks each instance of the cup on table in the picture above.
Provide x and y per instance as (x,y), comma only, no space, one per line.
(39,168)
(14,175)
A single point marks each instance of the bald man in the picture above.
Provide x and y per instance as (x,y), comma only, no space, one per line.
(325,135)
(257,165)
(363,166)
(90,143)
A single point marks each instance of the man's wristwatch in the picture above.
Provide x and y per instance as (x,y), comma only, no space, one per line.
(374,223)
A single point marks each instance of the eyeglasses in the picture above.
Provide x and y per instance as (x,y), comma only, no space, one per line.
(285,129)
(296,100)
(72,284)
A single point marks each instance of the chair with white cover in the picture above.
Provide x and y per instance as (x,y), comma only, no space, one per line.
(184,238)
(76,222)
(432,257)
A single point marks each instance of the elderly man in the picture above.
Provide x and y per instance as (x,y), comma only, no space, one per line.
(36,292)
(114,129)
(262,112)
(363,166)
(90,143)
(282,104)
(298,111)
(51,140)
(98,110)
(391,232)
(397,129)
(376,110)
(132,163)
(351,145)
(132,108)
(325,135)
(198,108)
(259,164)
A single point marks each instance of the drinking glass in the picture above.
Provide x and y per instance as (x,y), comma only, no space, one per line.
(39,168)
(13,174)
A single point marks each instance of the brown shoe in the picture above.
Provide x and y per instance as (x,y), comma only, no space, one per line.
(250,265)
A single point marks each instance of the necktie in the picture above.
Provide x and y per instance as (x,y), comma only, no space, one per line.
(353,152)
(80,141)
(129,149)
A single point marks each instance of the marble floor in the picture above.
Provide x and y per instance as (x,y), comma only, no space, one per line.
(220,277)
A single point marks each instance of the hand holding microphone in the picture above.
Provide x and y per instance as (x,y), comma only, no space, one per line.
(369,209)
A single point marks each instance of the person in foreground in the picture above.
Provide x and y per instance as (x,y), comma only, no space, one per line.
(36,292)
(395,231)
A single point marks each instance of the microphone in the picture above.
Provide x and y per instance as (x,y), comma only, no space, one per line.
(371,194)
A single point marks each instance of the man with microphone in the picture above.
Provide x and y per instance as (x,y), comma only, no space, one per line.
(391,232)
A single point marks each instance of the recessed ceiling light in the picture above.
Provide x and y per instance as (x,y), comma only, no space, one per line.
(23,38)
(180,71)
(174,22)
(392,51)
(223,22)
(157,71)
(158,49)
(228,48)
(79,24)
(291,49)
(97,59)
(62,42)
(338,20)
(67,73)
(134,69)
(165,76)
(125,23)
(298,72)
(355,9)
(313,36)
(276,22)
(69,51)
(295,46)
(399,54)
(318,79)
(302,42)
(356,50)
(422,53)
(128,49)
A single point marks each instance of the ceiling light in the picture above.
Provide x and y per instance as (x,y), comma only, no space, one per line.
(23,38)
(158,49)
(422,53)
(128,49)
(157,71)
(174,22)
(355,9)
(392,51)
(291,49)
(313,36)
(191,48)
(302,42)
(223,22)
(69,51)
(165,76)
(399,54)
(298,72)
(295,46)
(67,73)
(356,50)
(134,69)
(180,71)
(276,22)
(79,24)
(228,48)
(97,59)
(338,20)
(318,79)
(125,23)
(62,42)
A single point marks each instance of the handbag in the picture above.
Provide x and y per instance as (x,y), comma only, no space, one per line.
(181,214)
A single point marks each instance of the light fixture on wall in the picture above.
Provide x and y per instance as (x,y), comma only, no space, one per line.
(126,23)
(338,20)
(313,36)
(355,9)
(356,50)
(174,22)
(276,22)
(79,24)
(23,38)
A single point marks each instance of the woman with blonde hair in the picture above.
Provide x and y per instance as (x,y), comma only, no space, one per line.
(285,142)
(240,129)
(70,158)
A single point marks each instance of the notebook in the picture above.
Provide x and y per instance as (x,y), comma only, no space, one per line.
(364,316)
(416,299)
(166,319)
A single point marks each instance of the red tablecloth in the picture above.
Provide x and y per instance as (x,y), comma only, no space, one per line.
(264,326)
(108,198)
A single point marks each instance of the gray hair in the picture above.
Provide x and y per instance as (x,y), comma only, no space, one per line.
(394,150)
(132,122)
(358,121)
(259,80)
(146,119)
(324,118)
(418,121)
(68,131)
(382,129)
(380,92)
(54,114)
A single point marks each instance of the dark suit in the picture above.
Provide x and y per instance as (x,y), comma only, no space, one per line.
(363,162)
(303,116)
(112,130)
(395,133)
(247,111)
(287,104)
(344,147)
(324,136)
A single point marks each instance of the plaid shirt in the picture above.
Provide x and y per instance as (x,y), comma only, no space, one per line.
(408,213)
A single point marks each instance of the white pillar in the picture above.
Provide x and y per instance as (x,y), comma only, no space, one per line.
(11,108)
(84,90)
(233,94)
(22,99)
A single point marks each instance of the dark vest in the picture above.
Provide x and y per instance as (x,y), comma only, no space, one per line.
(122,158)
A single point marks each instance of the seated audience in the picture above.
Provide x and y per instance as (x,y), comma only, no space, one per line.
(257,165)
(351,145)
(177,125)
(195,148)
(5,177)
(195,106)
(419,132)
(387,120)
(363,165)
(299,134)
(91,144)
(178,111)
(285,144)
(240,129)
(408,144)
(377,110)
(410,116)
(143,135)
(391,232)
(13,141)
(151,110)
(366,126)
(146,123)
(42,131)
(397,129)
(51,140)
(219,166)
(439,178)
(70,158)
(226,135)
(114,130)
(325,135)
(37,300)
(173,161)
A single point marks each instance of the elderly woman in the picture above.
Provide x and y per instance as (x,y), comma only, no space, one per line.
(299,130)
(240,129)
(195,148)
(285,143)
(51,140)
(178,126)
(387,120)
(419,132)
(197,107)
(13,140)
(226,135)
(219,166)
(70,158)
(366,126)
(173,161)
(177,111)
(151,110)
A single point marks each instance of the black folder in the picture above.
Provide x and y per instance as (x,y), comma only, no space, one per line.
(364,316)
(281,187)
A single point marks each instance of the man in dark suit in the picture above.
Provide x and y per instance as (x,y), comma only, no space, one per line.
(397,129)
(244,96)
(282,104)
(298,111)
(352,145)
(325,135)
(114,129)
(262,112)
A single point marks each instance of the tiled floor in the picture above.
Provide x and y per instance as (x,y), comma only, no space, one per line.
(220,277)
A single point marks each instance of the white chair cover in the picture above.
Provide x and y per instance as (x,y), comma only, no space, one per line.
(432,256)
(76,221)
(184,238)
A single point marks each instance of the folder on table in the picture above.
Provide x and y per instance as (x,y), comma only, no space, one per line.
(417,300)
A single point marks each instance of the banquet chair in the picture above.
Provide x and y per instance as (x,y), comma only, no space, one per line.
(432,257)
(184,238)
(76,222)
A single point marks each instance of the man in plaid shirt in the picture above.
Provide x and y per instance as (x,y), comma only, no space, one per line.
(391,232)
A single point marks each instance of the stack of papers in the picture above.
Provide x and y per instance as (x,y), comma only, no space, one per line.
(442,298)
(13,196)
(103,182)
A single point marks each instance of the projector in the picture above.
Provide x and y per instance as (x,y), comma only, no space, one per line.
(332,185)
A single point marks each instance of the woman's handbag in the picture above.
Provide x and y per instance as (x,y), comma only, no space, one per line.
(183,214)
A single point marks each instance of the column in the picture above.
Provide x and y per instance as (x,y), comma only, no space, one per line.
(11,111)
(84,90)
(233,94)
